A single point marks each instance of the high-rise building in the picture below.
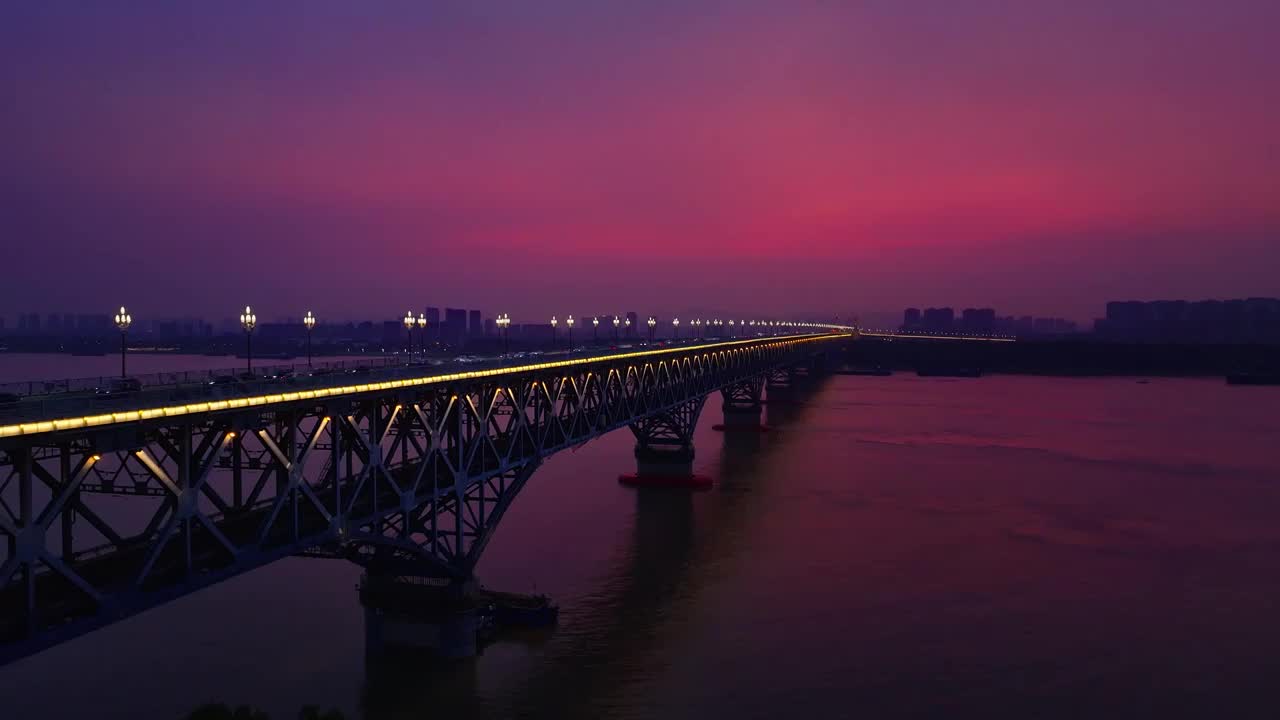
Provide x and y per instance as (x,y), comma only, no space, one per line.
(475,326)
(433,324)
(978,320)
(939,319)
(454,326)
(911,319)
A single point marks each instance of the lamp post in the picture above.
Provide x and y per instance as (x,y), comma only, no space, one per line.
(627,324)
(595,328)
(554,339)
(248,321)
(504,322)
(123,321)
(615,328)
(422,332)
(732,332)
(409,322)
(309,322)
(675,328)
(652,323)
(569,321)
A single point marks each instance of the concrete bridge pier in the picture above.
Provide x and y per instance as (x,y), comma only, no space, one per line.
(426,616)
(664,448)
(742,406)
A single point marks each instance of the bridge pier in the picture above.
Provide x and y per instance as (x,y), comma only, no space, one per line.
(664,448)
(742,407)
(418,615)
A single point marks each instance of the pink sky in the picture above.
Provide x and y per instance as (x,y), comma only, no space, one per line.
(758,157)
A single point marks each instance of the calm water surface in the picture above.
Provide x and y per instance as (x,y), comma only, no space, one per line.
(897,547)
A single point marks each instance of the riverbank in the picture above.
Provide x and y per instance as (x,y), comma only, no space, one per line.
(1067,358)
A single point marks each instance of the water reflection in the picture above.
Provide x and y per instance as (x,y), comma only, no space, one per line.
(609,649)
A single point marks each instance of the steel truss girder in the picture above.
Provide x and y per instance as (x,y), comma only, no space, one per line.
(422,474)
(743,396)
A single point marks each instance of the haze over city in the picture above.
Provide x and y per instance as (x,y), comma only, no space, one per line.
(528,157)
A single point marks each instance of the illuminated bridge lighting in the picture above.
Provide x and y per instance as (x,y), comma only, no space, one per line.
(85,421)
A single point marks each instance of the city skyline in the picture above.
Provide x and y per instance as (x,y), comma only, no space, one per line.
(773,157)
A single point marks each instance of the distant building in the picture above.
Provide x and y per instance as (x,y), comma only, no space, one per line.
(980,321)
(939,319)
(1250,320)
(454,326)
(433,324)
(911,319)
(475,325)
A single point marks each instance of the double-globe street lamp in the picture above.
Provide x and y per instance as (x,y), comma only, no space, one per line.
(595,328)
(409,322)
(123,321)
(569,322)
(616,323)
(504,322)
(422,333)
(652,324)
(309,322)
(248,321)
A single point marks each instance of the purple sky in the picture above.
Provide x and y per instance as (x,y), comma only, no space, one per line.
(665,156)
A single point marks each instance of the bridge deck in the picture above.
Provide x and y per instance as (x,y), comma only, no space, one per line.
(46,414)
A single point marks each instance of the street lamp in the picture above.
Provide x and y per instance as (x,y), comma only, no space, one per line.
(553,331)
(569,321)
(123,321)
(504,322)
(675,328)
(652,324)
(409,322)
(616,323)
(595,325)
(248,321)
(627,324)
(422,332)
(309,322)
(732,332)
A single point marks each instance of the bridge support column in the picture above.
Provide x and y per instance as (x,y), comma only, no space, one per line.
(742,406)
(664,448)
(422,615)
(780,383)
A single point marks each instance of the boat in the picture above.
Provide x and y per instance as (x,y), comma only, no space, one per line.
(1254,378)
(517,609)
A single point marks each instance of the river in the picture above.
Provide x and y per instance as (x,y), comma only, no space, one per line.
(895,547)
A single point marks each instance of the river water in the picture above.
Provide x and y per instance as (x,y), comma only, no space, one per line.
(895,547)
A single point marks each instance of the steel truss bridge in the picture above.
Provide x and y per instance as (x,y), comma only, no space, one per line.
(106,515)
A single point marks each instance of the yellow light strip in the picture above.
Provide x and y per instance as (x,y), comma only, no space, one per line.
(47,426)
(909,336)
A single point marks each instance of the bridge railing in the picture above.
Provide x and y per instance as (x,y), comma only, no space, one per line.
(35,388)
(199,385)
